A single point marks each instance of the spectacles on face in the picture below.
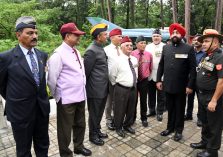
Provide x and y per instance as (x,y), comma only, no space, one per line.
(128,45)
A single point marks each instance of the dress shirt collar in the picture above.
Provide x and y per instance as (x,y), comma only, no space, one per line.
(125,56)
(113,46)
(25,50)
(139,52)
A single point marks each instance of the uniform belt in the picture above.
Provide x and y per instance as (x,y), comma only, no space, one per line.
(124,86)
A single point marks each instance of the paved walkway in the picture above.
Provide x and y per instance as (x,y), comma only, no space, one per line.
(146,142)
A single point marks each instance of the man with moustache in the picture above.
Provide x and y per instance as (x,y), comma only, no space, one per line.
(145,61)
(66,80)
(178,66)
(23,86)
(123,76)
(156,101)
(199,53)
(210,89)
(113,52)
(96,70)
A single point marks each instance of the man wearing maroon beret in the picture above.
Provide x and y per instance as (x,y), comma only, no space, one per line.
(113,52)
(123,76)
(178,66)
(66,80)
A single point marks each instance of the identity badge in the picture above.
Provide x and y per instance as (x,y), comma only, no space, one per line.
(181,56)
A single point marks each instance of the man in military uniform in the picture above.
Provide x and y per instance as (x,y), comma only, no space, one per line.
(210,86)
(178,65)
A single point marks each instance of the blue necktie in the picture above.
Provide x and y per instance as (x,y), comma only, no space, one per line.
(35,70)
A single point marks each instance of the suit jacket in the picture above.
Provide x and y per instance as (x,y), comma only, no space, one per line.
(96,70)
(18,86)
(178,65)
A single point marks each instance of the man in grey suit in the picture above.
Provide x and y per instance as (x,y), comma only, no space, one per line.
(96,69)
(23,86)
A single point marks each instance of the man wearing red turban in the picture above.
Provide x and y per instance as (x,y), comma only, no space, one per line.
(177,65)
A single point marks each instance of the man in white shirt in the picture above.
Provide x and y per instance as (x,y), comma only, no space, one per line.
(155,48)
(124,76)
(113,52)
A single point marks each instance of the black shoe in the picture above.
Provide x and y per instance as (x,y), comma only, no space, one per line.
(120,132)
(102,135)
(110,126)
(206,153)
(200,145)
(177,136)
(97,141)
(166,132)
(186,118)
(144,123)
(151,114)
(199,123)
(83,151)
(129,130)
(159,117)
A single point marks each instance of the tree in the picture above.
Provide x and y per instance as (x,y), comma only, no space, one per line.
(187,18)
(174,9)
(218,17)
(103,9)
(132,13)
(109,10)
(147,12)
(127,14)
(161,14)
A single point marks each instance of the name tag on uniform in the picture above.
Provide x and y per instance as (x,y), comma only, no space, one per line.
(208,65)
(158,53)
(181,55)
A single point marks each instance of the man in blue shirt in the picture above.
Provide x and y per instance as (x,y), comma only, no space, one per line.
(199,53)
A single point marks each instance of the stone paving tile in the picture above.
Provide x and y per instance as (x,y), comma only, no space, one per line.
(147,142)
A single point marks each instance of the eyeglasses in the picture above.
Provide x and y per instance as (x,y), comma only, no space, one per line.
(129,45)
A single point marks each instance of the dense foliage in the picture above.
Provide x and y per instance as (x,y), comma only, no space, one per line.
(51,14)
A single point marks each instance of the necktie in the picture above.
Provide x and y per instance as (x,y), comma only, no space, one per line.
(117,50)
(75,51)
(133,72)
(34,68)
(140,68)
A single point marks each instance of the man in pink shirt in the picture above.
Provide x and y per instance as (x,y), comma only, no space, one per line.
(67,82)
(145,61)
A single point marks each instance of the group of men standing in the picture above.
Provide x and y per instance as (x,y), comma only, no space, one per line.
(115,74)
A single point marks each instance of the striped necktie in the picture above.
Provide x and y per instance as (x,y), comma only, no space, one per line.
(34,68)
(133,72)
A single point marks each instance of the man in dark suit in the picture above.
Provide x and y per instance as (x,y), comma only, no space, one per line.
(178,65)
(23,86)
(96,70)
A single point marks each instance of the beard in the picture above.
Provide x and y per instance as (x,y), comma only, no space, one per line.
(176,40)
